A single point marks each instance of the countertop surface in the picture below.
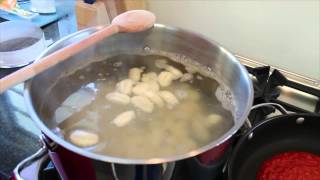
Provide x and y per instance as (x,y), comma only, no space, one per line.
(63,8)
(18,134)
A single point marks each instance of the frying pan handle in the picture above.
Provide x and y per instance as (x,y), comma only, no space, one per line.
(275,105)
(43,151)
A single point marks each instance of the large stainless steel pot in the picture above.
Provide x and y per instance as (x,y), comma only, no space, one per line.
(160,37)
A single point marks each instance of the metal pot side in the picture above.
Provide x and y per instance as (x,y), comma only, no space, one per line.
(161,37)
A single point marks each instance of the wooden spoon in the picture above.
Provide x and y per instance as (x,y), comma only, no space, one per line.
(130,21)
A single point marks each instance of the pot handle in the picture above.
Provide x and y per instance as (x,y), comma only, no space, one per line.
(275,105)
(29,160)
(248,124)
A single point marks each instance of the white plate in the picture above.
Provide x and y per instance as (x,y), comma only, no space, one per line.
(20,29)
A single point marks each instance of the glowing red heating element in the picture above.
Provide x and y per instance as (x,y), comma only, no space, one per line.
(291,166)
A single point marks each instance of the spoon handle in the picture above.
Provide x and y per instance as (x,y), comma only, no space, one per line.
(55,58)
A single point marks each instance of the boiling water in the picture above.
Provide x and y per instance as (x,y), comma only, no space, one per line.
(195,121)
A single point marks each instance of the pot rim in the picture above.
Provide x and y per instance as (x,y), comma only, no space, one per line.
(48,132)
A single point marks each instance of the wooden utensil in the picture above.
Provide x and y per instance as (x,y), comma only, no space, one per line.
(130,21)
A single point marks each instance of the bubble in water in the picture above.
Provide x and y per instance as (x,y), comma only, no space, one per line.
(107,106)
(117,64)
(199,77)
(58,131)
(224,95)
(101,79)
(88,69)
(81,77)
(147,48)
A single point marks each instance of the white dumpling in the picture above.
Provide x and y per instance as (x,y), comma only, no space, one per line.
(214,119)
(149,77)
(140,88)
(135,74)
(187,94)
(161,63)
(175,72)
(124,118)
(154,86)
(143,87)
(142,103)
(125,86)
(169,98)
(83,138)
(200,132)
(155,98)
(118,98)
(192,108)
(191,69)
(186,77)
(165,78)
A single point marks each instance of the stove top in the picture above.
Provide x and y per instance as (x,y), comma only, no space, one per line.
(19,136)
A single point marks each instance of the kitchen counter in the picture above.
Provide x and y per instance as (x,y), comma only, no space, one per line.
(63,9)
(18,134)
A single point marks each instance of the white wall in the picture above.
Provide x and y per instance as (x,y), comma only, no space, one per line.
(283,33)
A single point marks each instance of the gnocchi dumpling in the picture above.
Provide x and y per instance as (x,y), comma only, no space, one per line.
(135,74)
(169,98)
(154,86)
(186,77)
(149,77)
(200,131)
(161,63)
(165,78)
(125,86)
(118,98)
(124,118)
(143,87)
(214,119)
(193,109)
(155,98)
(185,91)
(175,72)
(83,138)
(142,103)
(191,69)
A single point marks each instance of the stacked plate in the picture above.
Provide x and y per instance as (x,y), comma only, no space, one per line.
(21,43)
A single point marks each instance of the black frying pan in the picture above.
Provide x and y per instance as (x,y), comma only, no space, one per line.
(291,132)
